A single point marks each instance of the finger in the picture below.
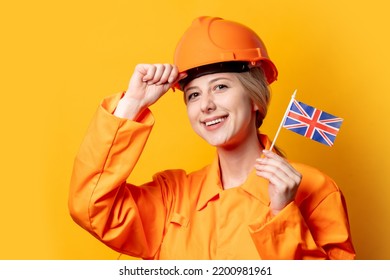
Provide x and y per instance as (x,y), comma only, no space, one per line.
(167,70)
(271,171)
(281,180)
(150,73)
(178,76)
(174,75)
(144,70)
(277,175)
(271,166)
(139,77)
(159,70)
(278,167)
(270,154)
(273,159)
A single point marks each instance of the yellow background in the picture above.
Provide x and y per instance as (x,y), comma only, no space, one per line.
(58,59)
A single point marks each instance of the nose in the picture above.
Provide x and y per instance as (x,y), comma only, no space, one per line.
(207,103)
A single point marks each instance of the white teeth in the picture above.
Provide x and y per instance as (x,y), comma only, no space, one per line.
(214,121)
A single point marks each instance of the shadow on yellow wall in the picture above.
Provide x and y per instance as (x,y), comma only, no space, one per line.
(58,60)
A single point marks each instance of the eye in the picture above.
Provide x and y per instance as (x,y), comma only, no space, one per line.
(220,87)
(192,96)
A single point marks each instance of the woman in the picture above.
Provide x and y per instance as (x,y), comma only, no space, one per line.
(249,203)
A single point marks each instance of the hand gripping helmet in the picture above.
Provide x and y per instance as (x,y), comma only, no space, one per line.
(212,44)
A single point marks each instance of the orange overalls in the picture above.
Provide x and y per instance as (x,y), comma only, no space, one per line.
(189,216)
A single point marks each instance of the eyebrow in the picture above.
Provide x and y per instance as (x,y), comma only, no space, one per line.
(210,82)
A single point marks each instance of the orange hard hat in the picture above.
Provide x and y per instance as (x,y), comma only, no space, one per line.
(216,41)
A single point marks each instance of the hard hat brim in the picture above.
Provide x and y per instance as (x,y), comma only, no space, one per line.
(221,67)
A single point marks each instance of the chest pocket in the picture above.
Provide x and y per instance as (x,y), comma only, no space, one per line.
(180,220)
(176,240)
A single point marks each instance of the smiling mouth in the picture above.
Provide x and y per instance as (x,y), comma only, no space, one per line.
(216,121)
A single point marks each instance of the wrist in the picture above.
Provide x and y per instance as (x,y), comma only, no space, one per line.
(129,108)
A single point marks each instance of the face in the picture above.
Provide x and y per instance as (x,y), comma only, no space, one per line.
(219,109)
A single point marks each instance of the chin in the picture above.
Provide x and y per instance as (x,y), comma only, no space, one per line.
(215,139)
(216,142)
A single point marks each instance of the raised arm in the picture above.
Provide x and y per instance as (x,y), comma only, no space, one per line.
(100,200)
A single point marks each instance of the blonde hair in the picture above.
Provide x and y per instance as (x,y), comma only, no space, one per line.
(257,87)
(255,83)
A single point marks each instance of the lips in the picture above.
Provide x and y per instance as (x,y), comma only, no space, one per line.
(210,122)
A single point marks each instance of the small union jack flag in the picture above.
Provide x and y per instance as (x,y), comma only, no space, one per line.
(312,123)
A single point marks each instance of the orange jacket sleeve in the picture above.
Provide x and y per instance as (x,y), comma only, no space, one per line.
(102,203)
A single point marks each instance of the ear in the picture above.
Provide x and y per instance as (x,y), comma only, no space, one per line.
(254,107)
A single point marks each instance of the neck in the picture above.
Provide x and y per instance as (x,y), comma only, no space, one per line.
(237,162)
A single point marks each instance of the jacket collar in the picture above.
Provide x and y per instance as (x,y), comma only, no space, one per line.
(254,185)
(212,185)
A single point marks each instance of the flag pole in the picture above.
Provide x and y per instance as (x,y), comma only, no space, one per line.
(283,120)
